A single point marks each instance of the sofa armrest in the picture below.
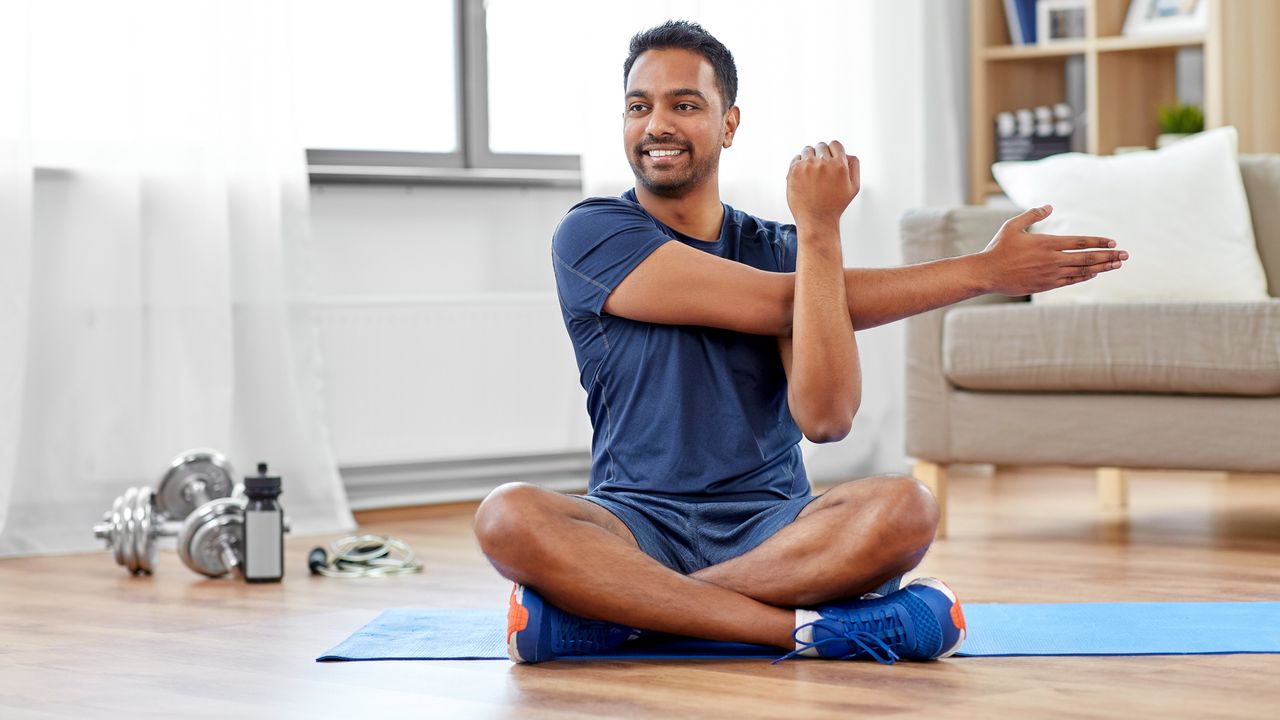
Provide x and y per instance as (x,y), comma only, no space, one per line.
(929,234)
(932,233)
(1261,174)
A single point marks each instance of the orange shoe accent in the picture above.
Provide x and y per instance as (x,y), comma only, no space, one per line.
(517,616)
(957,615)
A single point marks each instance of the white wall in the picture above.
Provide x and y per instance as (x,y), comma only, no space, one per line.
(415,240)
(441,335)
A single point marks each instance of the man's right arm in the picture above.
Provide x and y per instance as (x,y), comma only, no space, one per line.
(680,285)
(824,376)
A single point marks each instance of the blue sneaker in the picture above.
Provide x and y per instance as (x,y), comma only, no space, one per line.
(538,631)
(922,621)
(892,585)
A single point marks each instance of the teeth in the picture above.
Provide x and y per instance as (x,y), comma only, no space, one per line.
(664,153)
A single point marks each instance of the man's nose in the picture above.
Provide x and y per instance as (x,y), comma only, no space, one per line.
(659,123)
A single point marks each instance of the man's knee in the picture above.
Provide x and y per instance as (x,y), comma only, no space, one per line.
(913,509)
(902,510)
(507,519)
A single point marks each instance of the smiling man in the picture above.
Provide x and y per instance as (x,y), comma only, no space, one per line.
(709,341)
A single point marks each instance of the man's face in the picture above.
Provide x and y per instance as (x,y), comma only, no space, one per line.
(674,125)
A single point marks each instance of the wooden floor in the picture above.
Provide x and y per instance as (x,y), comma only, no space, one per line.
(81,639)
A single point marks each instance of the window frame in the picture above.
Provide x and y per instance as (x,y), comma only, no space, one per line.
(472,162)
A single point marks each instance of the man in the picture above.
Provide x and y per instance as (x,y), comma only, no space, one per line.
(708,341)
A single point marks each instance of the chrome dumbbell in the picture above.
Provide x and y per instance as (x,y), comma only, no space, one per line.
(192,479)
(140,516)
(131,528)
(210,540)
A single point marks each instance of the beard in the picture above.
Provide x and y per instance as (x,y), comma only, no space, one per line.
(672,182)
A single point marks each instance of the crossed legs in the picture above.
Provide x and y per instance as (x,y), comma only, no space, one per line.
(583,559)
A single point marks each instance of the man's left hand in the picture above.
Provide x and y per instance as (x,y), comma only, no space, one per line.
(1020,262)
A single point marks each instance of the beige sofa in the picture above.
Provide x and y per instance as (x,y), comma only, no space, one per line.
(1174,386)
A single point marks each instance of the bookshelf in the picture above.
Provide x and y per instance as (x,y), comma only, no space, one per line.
(1126,78)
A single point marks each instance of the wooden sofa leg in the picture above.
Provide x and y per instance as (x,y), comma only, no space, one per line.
(934,477)
(1113,488)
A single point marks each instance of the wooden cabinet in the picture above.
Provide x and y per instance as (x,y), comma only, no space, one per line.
(1126,79)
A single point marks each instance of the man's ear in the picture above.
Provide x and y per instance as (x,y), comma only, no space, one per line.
(731,120)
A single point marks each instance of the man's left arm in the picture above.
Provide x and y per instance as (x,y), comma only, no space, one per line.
(1016,262)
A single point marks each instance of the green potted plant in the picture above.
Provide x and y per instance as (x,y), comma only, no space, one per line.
(1177,122)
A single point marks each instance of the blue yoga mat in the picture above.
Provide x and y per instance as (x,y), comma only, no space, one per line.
(993,630)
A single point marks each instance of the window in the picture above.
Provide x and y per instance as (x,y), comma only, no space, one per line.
(377,75)
(438,85)
(520,118)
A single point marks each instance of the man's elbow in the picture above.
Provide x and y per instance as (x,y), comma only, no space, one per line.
(827,433)
(829,429)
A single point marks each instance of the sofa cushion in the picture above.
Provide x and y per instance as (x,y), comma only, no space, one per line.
(1207,349)
(1261,175)
(1181,212)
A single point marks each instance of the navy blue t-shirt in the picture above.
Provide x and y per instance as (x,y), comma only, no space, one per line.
(676,409)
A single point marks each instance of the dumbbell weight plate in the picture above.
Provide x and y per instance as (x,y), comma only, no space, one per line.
(131,528)
(143,534)
(111,529)
(115,527)
(127,545)
(204,532)
(193,478)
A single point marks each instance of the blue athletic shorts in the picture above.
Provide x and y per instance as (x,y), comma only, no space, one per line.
(688,536)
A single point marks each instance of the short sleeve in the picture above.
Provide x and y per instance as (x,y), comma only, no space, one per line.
(597,244)
(786,248)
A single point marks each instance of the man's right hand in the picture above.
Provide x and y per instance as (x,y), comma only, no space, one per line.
(1018,262)
(821,183)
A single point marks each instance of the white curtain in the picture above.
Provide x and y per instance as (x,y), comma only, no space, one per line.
(885,78)
(153,274)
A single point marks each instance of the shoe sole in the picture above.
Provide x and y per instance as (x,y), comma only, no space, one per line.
(517,622)
(957,614)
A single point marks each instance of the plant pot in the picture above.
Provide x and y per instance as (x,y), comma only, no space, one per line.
(1165,139)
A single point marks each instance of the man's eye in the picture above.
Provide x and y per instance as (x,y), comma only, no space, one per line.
(637,107)
(686,106)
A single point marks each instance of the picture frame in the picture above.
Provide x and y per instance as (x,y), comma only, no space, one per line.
(1148,18)
(1059,20)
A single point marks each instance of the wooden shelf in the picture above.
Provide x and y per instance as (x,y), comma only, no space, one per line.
(1061,48)
(1126,79)
(1064,48)
(1124,44)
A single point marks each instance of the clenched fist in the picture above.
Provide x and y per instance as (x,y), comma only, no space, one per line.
(821,183)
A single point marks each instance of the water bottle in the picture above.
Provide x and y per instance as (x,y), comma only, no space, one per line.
(263,528)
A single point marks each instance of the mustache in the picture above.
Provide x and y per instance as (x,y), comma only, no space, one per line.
(650,143)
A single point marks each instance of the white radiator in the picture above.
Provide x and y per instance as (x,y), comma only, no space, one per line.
(442,398)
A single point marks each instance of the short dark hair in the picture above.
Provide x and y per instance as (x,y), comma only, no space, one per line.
(687,35)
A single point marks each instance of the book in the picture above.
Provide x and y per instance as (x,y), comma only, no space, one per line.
(1011,18)
(1027,19)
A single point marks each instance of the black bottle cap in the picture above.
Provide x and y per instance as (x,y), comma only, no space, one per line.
(262,482)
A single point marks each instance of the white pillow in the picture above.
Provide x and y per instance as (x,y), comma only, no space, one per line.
(1181,212)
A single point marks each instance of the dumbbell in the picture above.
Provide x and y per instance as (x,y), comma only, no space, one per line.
(140,516)
(131,528)
(209,540)
(194,478)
